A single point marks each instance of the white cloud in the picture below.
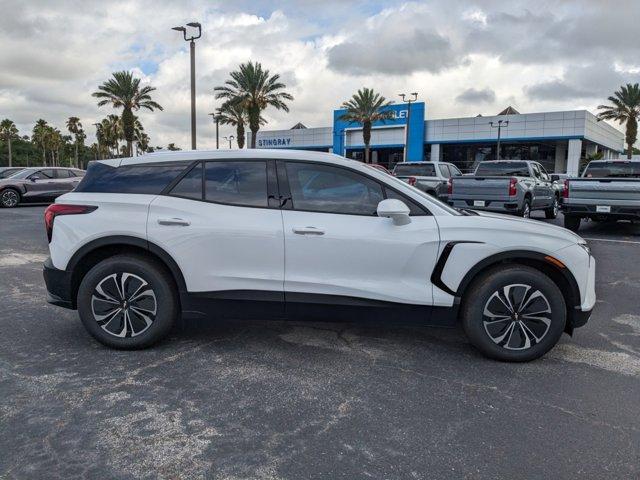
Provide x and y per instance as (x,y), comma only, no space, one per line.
(53,55)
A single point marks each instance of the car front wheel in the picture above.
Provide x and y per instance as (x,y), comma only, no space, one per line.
(9,198)
(127,302)
(514,313)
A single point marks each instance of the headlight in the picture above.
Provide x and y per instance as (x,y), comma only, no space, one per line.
(585,247)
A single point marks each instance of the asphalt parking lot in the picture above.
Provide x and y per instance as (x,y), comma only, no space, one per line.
(270,400)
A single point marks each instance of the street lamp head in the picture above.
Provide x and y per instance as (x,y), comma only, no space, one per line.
(194,24)
(179,29)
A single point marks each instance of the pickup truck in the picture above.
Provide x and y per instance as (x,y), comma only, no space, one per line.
(433,178)
(507,186)
(609,190)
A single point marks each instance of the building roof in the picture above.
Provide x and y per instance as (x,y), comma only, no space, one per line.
(298,126)
(509,111)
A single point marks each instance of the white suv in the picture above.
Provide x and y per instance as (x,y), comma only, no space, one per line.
(285,234)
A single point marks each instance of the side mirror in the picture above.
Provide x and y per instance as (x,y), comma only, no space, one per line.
(555,178)
(33,178)
(394,209)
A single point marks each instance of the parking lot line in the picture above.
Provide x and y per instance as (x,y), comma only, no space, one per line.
(610,240)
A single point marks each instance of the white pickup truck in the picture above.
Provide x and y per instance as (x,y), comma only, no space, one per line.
(609,190)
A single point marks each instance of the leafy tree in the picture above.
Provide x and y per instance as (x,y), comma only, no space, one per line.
(366,107)
(172,147)
(123,90)
(625,108)
(9,131)
(254,89)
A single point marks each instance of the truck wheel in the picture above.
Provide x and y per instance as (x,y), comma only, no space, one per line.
(552,212)
(128,302)
(572,222)
(513,313)
(525,212)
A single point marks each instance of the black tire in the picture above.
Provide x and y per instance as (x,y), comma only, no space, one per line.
(150,315)
(525,211)
(572,222)
(9,198)
(506,339)
(552,212)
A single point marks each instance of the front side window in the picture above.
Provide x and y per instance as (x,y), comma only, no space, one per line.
(237,183)
(44,174)
(328,189)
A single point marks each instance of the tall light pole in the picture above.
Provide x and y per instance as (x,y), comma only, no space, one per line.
(230,139)
(499,125)
(97,125)
(216,120)
(192,48)
(414,96)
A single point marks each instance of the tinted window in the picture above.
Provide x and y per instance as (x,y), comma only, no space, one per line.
(323,188)
(503,169)
(47,173)
(190,186)
(8,172)
(144,179)
(65,174)
(420,170)
(612,169)
(237,183)
(414,208)
(78,173)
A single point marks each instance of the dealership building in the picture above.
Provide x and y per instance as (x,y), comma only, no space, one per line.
(560,141)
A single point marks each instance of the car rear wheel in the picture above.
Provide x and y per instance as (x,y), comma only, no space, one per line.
(552,212)
(525,212)
(514,313)
(9,198)
(572,222)
(127,302)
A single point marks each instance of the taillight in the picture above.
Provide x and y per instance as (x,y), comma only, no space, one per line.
(58,209)
(565,190)
(411,181)
(450,186)
(512,187)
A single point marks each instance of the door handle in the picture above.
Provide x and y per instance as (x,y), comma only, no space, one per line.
(174,222)
(307,231)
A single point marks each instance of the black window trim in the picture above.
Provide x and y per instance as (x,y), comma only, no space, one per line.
(283,181)
(271,182)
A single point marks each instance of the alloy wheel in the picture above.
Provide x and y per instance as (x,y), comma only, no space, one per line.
(9,198)
(124,305)
(517,317)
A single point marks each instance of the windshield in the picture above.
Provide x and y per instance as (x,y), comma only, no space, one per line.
(9,172)
(502,169)
(22,174)
(419,170)
(612,170)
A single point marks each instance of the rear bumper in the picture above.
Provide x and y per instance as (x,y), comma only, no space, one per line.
(620,212)
(58,284)
(500,206)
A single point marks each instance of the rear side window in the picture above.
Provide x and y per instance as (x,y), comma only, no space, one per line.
(190,186)
(419,170)
(65,174)
(444,170)
(502,169)
(237,183)
(142,179)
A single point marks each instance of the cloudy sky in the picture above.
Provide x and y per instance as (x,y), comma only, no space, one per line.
(463,57)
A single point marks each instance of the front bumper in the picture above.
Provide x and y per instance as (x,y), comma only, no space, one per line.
(580,315)
(58,284)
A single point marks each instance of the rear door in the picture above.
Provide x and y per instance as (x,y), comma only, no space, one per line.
(222,225)
(338,248)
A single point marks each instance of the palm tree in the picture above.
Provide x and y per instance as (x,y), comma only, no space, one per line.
(75,127)
(366,107)
(124,91)
(235,115)
(625,109)
(39,138)
(9,131)
(111,133)
(255,89)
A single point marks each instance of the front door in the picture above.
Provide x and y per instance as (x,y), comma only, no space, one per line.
(338,248)
(41,186)
(228,240)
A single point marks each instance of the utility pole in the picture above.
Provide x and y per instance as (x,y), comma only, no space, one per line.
(414,96)
(216,120)
(97,125)
(499,125)
(192,51)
